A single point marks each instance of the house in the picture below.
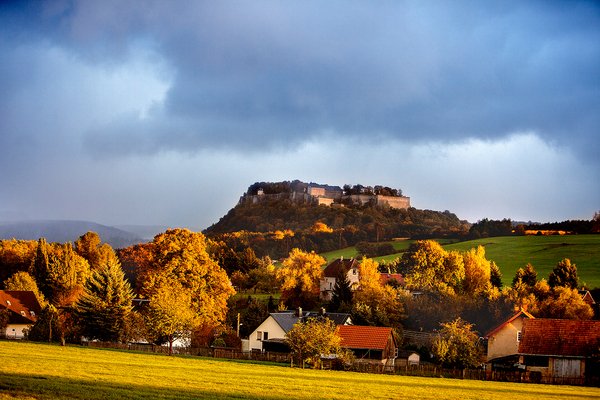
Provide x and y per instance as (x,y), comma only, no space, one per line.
(331,272)
(370,343)
(503,340)
(270,334)
(24,309)
(587,297)
(384,278)
(408,357)
(558,348)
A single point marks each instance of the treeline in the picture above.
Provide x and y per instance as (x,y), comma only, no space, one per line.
(299,186)
(493,228)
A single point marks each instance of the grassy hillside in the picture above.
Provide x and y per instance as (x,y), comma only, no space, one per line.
(512,253)
(41,371)
(543,252)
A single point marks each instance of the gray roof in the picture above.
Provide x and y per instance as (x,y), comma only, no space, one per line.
(287,319)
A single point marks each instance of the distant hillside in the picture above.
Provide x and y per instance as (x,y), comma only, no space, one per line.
(66,231)
(274,212)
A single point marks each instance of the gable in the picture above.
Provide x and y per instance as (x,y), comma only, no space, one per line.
(365,337)
(519,314)
(333,269)
(556,337)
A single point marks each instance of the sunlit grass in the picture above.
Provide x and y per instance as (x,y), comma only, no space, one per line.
(42,371)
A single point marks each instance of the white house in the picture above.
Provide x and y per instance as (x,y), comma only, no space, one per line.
(271,332)
(331,272)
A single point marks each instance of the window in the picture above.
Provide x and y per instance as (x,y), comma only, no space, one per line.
(259,335)
(23,313)
(395,352)
(8,302)
(518,336)
(265,335)
(354,271)
(32,313)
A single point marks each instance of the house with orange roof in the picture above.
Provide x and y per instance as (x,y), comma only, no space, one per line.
(559,348)
(370,343)
(503,340)
(23,308)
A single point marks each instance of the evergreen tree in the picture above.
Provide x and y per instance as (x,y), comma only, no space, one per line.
(342,292)
(495,276)
(39,267)
(565,274)
(105,303)
(529,276)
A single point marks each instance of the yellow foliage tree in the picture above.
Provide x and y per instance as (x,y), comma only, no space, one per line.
(477,271)
(320,227)
(310,339)
(299,275)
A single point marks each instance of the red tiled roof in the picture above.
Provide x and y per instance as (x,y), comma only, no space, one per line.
(559,337)
(386,277)
(333,269)
(364,337)
(508,321)
(21,303)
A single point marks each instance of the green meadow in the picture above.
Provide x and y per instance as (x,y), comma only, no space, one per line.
(42,371)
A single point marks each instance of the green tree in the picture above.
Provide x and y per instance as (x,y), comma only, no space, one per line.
(341,297)
(105,303)
(529,276)
(456,345)
(495,276)
(309,339)
(565,274)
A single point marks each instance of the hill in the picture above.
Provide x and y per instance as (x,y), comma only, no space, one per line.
(282,210)
(66,231)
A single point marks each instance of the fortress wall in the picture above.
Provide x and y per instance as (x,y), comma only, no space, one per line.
(395,202)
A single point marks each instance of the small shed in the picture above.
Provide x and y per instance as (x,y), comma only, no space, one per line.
(408,357)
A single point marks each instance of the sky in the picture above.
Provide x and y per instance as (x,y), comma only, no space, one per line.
(164,113)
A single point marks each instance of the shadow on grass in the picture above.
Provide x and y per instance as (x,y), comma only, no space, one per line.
(44,387)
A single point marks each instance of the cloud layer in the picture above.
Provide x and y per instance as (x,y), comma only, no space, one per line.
(193,96)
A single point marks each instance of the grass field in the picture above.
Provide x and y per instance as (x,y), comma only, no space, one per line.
(42,371)
(512,253)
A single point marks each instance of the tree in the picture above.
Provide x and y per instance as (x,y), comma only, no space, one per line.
(495,276)
(105,303)
(180,261)
(596,222)
(299,275)
(477,271)
(263,277)
(529,276)
(309,339)
(23,281)
(341,297)
(559,302)
(88,246)
(170,314)
(456,345)
(565,274)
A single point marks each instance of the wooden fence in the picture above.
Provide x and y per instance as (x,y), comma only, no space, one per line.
(422,370)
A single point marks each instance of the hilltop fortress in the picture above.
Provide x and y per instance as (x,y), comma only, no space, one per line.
(334,196)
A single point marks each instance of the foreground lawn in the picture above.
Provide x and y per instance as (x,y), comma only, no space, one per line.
(41,371)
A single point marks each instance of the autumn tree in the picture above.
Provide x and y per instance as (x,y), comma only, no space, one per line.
(559,302)
(309,339)
(427,264)
(263,277)
(88,246)
(171,313)
(23,281)
(477,271)
(16,256)
(564,274)
(299,276)
(180,261)
(105,303)
(456,345)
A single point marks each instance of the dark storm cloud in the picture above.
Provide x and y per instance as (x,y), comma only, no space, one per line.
(250,74)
